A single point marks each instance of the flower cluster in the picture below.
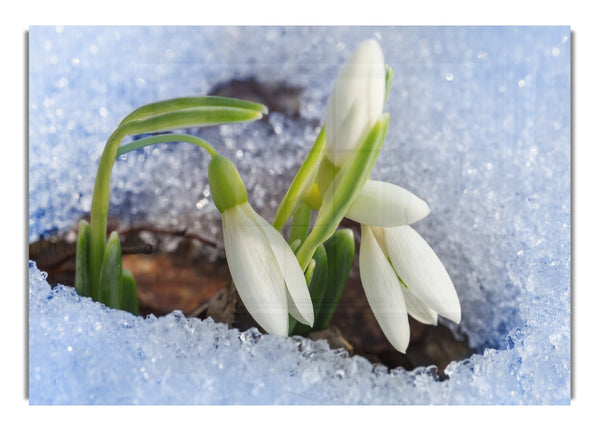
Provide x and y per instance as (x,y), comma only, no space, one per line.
(400,273)
(291,285)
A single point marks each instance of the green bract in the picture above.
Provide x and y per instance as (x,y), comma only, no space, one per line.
(343,189)
(111,273)
(302,183)
(226,185)
(82,260)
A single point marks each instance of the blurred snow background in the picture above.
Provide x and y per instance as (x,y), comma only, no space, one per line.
(480,129)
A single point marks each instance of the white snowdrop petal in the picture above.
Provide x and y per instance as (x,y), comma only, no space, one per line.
(299,302)
(255,271)
(418,310)
(383,291)
(384,204)
(422,271)
(344,134)
(379,234)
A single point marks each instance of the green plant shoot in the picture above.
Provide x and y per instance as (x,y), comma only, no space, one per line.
(99,272)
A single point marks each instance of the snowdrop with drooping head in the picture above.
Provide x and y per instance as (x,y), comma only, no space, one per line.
(263,267)
(400,272)
(402,275)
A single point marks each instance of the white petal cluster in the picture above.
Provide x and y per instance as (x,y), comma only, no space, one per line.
(400,272)
(401,276)
(265,271)
(385,204)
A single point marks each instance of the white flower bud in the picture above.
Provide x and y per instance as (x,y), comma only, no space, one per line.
(356,102)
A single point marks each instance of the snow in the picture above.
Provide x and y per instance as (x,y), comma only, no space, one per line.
(480,129)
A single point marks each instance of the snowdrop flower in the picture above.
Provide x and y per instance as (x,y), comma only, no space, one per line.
(401,276)
(356,102)
(264,269)
(400,273)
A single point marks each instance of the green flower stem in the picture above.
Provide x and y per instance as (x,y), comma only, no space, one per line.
(165,138)
(302,183)
(343,190)
(99,211)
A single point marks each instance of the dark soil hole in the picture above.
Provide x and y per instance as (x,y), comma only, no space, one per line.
(277,95)
(187,280)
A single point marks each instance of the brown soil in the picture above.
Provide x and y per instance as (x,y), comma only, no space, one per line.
(187,280)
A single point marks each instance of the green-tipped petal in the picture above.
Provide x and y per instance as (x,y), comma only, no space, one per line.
(384,204)
(299,304)
(418,310)
(422,271)
(383,291)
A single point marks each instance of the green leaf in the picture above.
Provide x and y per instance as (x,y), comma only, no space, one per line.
(111,286)
(129,299)
(193,117)
(340,254)
(300,223)
(302,182)
(317,286)
(181,103)
(295,244)
(165,138)
(82,259)
(343,189)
